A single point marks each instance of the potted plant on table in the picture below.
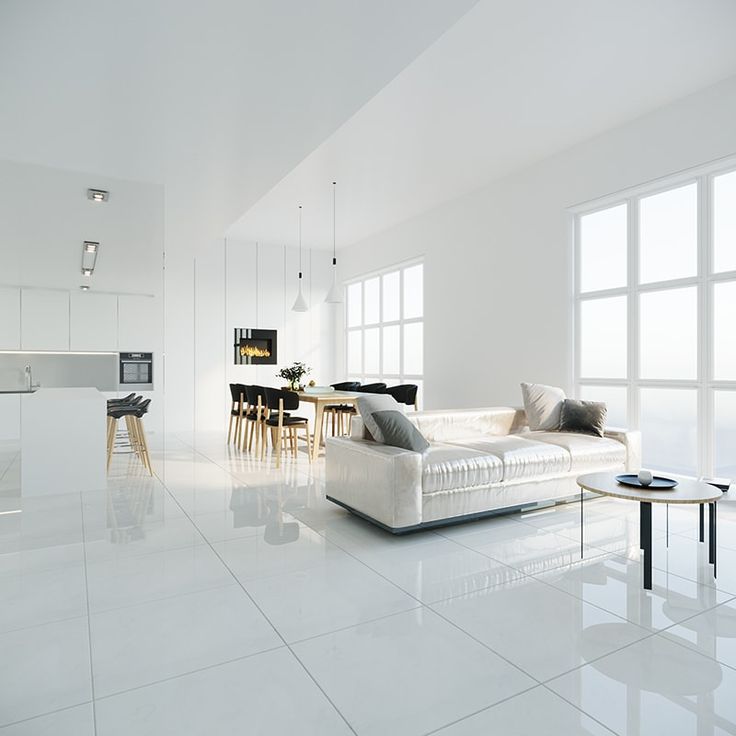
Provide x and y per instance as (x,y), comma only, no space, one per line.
(294,374)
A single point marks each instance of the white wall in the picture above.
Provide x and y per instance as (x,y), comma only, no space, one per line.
(45,217)
(241,284)
(498,261)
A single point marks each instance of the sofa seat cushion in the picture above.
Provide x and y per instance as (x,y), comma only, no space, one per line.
(521,457)
(587,452)
(447,467)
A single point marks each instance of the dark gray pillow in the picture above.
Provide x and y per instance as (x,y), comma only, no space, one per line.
(586,417)
(398,431)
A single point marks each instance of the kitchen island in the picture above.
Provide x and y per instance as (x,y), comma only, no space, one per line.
(63,441)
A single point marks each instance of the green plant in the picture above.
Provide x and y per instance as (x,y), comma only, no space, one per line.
(293,374)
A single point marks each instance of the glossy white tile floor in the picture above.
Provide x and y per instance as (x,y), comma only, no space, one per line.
(225,596)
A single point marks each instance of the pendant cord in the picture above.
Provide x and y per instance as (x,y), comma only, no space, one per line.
(300,241)
(334,251)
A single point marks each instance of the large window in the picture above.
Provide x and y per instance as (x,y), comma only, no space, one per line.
(655,308)
(385,328)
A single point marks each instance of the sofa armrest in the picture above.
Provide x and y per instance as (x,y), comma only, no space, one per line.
(382,482)
(631,440)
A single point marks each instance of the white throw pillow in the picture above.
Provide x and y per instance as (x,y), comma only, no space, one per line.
(543,405)
(368,403)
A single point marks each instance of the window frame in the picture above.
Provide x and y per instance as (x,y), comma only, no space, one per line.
(704,282)
(380,376)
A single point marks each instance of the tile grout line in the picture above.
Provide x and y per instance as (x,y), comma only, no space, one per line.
(45,714)
(178,676)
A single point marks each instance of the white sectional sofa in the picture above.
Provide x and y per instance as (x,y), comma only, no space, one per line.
(480,462)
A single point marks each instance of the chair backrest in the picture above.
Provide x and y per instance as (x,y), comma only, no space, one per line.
(253,392)
(235,392)
(142,408)
(405,393)
(372,388)
(274,395)
(346,386)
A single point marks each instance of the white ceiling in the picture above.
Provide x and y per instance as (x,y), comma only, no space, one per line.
(217,99)
(508,84)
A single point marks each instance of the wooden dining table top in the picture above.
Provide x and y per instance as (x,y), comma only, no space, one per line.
(329,396)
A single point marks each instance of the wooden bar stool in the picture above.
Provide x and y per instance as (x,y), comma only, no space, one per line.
(133,414)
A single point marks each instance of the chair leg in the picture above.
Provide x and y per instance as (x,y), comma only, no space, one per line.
(230,427)
(112,426)
(144,444)
(278,449)
(309,442)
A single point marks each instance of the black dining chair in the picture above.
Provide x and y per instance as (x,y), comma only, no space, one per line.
(284,427)
(254,417)
(405,393)
(341,414)
(372,388)
(237,404)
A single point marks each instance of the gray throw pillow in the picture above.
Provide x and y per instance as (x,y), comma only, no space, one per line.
(370,403)
(586,417)
(398,431)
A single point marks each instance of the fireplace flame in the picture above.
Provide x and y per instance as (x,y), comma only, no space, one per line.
(253,351)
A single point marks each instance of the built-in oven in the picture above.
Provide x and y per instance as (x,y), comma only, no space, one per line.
(136,371)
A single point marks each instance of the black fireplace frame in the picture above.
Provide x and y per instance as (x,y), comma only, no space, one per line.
(242,334)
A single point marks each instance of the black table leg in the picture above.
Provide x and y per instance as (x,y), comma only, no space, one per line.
(702,522)
(581,522)
(645,530)
(712,537)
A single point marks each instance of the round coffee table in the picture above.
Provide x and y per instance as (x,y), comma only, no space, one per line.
(686,491)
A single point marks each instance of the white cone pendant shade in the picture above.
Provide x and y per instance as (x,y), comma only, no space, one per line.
(300,304)
(334,295)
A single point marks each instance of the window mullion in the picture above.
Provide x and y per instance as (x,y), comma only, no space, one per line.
(632,312)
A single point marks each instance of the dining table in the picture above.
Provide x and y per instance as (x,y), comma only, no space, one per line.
(321,400)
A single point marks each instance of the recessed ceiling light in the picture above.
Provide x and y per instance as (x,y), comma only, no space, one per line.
(84,287)
(90,249)
(98,195)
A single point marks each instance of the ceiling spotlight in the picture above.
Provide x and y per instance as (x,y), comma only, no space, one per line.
(98,195)
(84,287)
(89,257)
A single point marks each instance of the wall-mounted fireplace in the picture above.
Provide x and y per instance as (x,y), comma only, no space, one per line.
(254,347)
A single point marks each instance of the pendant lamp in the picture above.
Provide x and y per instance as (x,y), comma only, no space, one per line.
(334,295)
(300,305)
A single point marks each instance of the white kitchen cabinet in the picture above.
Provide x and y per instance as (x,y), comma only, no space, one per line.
(93,322)
(9,318)
(139,324)
(44,319)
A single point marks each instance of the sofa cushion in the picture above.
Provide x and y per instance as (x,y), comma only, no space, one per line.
(448,426)
(447,467)
(369,403)
(585,417)
(543,405)
(521,457)
(398,431)
(587,452)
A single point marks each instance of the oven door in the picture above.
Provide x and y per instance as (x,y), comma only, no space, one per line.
(136,371)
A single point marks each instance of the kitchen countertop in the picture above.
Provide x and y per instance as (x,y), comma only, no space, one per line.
(18,391)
